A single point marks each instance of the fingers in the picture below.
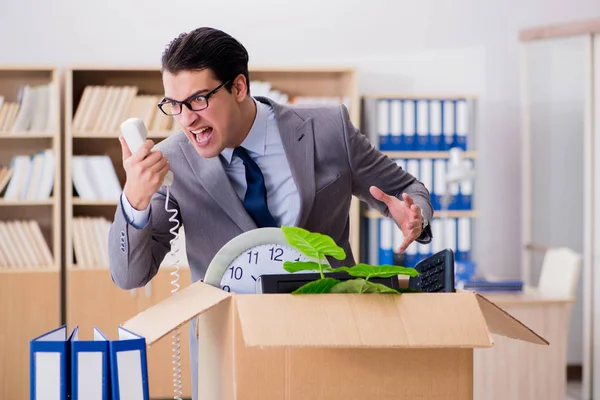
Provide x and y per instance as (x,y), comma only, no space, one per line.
(160,164)
(143,151)
(163,171)
(407,199)
(411,232)
(416,211)
(151,159)
(380,195)
(125,152)
(405,243)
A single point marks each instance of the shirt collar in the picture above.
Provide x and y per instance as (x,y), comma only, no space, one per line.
(257,137)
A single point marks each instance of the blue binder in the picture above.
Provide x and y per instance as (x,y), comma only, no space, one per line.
(386,231)
(90,369)
(129,367)
(49,365)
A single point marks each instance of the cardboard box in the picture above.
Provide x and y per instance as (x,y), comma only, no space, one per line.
(333,346)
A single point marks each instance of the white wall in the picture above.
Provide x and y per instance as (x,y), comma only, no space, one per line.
(461,46)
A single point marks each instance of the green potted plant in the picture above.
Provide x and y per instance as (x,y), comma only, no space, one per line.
(317,246)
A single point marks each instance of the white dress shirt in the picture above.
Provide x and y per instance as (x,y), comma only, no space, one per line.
(265,147)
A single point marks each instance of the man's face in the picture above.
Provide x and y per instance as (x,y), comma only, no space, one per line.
(214,128)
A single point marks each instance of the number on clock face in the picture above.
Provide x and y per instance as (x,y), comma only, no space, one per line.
(242,273)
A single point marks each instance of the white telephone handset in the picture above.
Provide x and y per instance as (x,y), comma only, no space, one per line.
(135,133)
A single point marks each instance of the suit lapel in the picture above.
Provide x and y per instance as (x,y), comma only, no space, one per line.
(212,176)
(298,140)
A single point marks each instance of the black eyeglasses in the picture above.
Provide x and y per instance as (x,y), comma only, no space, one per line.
(196,102)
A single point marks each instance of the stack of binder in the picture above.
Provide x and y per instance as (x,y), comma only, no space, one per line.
(405,124)
(416,132)
(64,367)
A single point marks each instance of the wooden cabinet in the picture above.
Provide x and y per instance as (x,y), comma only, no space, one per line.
(94,300)
(29,306)
(30,217)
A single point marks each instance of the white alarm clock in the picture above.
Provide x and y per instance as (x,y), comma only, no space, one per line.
(239,263)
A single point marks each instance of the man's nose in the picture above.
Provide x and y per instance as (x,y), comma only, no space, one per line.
(187,118)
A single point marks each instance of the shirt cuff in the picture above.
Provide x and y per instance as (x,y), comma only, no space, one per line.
(136,218)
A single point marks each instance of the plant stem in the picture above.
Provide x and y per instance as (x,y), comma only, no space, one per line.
(321,266)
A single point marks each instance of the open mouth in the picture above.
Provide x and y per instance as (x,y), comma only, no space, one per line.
(202,135)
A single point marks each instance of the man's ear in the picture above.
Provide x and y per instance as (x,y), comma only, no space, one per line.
(240,87)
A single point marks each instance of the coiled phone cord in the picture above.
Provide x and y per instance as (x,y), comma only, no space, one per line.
(176,342)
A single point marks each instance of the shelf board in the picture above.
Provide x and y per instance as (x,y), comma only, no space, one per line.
(28,67)
(436,214)
(26,135)
(115,135)
(408,96)
(426,154)
(24,270)
(78,201)
(78,267)
(10,203)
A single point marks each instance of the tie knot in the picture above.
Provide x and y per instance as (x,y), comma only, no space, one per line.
(241,153)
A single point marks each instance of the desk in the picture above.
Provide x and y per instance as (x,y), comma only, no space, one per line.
(518,370)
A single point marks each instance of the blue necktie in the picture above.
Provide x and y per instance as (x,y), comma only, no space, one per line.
(255,201)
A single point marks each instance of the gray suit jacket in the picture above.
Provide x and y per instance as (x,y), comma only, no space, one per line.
(330,161)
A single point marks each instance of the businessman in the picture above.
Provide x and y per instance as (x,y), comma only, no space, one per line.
(243,162)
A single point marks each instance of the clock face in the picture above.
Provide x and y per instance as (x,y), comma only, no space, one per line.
(238,264)
(242,273)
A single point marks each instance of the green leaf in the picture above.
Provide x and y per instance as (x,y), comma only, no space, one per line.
(312,244)
(364,286)
(297,266)
(319,286)
(327,268)
(379,288)
(380,271)
(353,286)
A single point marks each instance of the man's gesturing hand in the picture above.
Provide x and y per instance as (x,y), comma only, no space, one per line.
(406,214)
(145,171)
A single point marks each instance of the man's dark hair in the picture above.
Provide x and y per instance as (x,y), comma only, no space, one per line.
(207,48)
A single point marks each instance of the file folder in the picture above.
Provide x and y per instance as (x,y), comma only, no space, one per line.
(466,190)
(49,366)
(423,140)
(463,250)
(462,124)
(90,369)
(396,125)
(383,125)
(448,117)
(409,124)
(386,232)
(129,368)
(439,183)
(435,125)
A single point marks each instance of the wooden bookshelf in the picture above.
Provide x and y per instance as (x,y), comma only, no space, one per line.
(92,145)
(89,286)
(30,217)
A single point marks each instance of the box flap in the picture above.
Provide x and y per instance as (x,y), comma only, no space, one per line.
(422,320)
(502,323)
(174,311)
